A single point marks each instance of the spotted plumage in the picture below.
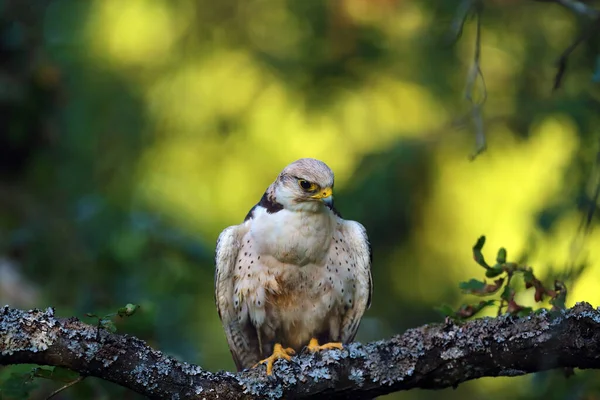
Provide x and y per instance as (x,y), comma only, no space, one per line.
(294,270)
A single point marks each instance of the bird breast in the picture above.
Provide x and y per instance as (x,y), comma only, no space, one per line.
(293,237)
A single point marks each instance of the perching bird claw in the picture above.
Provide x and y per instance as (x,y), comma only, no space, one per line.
(278,353)
(313,346)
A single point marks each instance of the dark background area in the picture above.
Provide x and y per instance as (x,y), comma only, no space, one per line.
(133,132)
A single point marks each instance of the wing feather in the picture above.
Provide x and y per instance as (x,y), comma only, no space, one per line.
(241,337)
(355,236)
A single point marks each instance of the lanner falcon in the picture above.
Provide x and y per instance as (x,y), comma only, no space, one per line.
(294,273)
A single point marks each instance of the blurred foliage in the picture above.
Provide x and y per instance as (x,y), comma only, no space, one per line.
(503,272)
(134,131)
(107,321)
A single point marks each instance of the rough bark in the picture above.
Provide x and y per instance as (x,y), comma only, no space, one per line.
(433,356)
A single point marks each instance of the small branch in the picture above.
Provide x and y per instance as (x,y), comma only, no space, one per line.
(475,80)
(65,386)
(433,356)
(458,23)
(502,301)
(564,57)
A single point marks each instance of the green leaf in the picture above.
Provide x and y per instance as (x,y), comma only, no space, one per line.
(445,310)
(128,310)
(494,271)
(528,278)
(558,302)
(507,294)
(479,244)
(524,311)
(559,299)
(481,288)
(472,286)
(501,257)
(477,254)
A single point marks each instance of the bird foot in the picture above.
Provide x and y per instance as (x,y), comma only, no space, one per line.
(313,346)
(278,353)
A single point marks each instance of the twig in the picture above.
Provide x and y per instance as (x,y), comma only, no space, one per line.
(66,386)
(508,279)
(562,60)
(476,76)
(458,23)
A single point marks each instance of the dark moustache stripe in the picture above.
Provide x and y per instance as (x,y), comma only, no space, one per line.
(268,203)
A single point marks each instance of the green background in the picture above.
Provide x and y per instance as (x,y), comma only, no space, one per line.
(133,132)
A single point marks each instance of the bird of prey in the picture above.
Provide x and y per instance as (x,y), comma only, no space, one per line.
(294,273)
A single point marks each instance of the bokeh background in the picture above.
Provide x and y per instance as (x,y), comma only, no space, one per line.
(133,132)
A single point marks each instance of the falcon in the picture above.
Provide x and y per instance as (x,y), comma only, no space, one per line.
(294,273)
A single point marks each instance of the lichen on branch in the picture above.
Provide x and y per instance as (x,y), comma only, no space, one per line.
(433,356)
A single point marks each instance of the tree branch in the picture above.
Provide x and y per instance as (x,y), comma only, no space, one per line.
(433,356)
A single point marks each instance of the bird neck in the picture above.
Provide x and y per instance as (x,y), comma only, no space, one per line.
(296,236)
(308,207)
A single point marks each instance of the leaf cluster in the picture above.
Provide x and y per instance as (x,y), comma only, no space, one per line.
(502,273)
(107,321)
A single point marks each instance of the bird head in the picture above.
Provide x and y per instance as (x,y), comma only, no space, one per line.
(305,184)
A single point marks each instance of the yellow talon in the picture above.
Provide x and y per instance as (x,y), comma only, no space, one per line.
(313,346)
(278,353)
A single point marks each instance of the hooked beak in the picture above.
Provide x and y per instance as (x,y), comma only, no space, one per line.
(325,195)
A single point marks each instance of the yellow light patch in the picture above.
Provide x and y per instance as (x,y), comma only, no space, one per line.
(135,32)
(498,195)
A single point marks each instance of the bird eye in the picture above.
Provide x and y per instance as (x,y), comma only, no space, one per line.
(306,185)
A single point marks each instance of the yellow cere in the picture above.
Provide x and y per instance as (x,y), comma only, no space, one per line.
(323,193)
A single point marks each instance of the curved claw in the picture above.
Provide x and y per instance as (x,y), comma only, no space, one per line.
(313,346)
(278,353)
